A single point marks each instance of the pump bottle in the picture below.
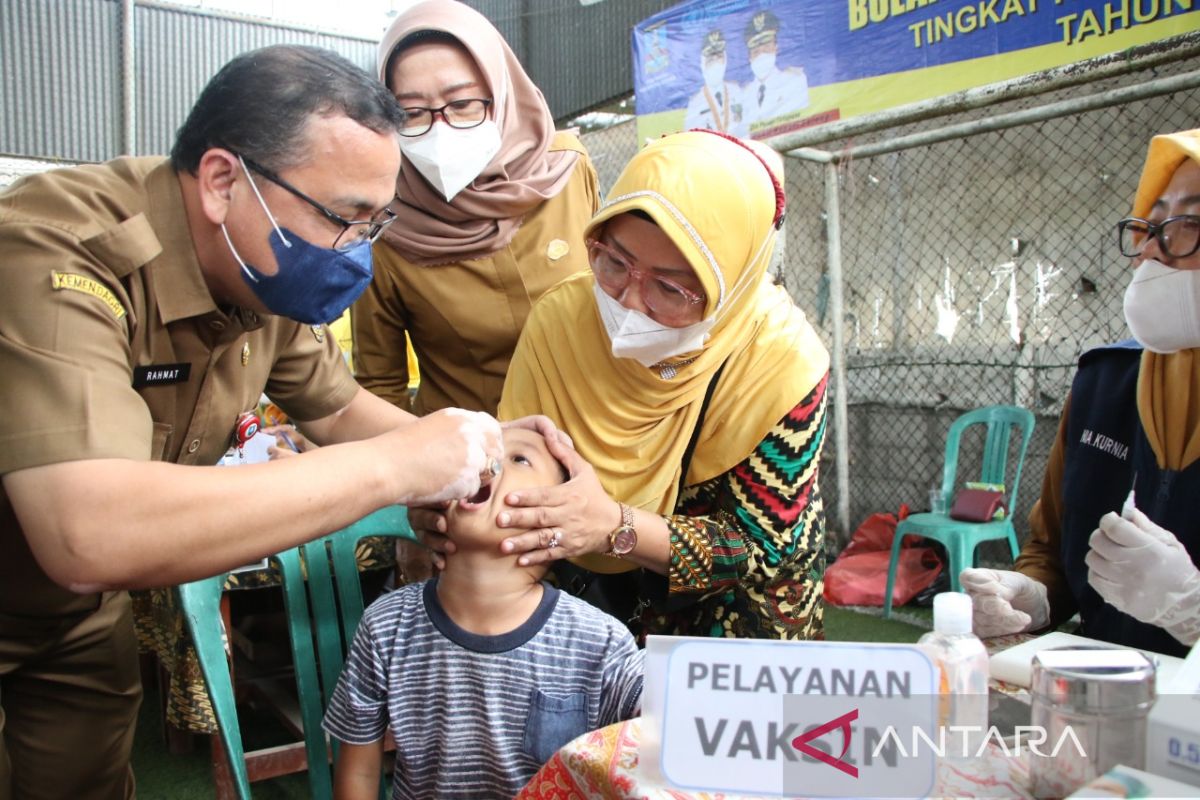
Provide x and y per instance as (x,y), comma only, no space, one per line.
(962,665)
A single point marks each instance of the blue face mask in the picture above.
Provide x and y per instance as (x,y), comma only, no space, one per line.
(313,285)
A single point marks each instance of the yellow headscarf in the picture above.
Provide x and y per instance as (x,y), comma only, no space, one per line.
(716,200)
(1168,392)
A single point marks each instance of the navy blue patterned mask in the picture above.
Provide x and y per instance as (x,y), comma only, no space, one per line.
(313,285)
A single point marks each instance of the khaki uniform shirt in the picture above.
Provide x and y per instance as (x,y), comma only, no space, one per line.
(464,318)
(112,347)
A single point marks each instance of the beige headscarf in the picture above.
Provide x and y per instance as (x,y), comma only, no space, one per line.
(483,217)
(716,201)
(1168,392)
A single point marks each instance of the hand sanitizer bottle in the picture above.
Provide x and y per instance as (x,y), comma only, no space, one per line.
(962,664)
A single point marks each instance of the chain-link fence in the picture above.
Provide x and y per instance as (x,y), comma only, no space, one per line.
(974,272)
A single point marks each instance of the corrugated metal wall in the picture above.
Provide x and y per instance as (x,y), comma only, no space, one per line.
(181,51)
(61,62)
(579,55)
(61,93)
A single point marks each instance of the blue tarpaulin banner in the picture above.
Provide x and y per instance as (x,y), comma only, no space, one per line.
(764,67)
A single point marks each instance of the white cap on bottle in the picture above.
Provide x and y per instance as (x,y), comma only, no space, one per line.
(952,612)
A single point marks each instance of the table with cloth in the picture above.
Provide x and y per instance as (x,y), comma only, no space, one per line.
(605,764)
(161,632)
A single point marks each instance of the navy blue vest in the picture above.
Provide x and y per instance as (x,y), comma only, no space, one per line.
(1105,448)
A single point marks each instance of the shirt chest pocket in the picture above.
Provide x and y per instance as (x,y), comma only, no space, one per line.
(553,721)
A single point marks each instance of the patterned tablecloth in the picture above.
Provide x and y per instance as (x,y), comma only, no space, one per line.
(160,631)
(604,764)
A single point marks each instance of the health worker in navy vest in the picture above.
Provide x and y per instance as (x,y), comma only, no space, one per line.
(1125,562)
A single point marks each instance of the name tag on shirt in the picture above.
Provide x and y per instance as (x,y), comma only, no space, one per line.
(160,374)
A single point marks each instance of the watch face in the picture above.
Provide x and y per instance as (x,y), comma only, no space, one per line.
(624,540)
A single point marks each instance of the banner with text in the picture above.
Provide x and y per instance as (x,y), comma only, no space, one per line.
(764,67)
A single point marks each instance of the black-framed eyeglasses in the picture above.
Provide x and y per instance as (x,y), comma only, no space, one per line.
(353,232)
(466,113)
(1178,237)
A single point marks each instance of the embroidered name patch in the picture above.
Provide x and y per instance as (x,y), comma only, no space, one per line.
(82,283)
(160,374)
(1105,444)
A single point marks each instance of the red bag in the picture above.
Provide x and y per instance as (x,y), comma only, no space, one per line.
(978,505)
(859,575)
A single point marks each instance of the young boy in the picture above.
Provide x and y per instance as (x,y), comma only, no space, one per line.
(483,672)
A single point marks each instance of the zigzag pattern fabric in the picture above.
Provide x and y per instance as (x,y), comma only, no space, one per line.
(747,547)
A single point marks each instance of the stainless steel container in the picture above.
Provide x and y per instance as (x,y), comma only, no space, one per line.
(1092,704)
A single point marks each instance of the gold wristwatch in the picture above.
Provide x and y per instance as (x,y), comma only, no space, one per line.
(624,537)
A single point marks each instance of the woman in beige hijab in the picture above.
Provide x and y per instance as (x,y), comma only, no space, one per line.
(491,206)
(1116,533)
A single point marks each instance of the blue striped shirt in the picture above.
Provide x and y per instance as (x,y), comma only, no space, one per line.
(476,716)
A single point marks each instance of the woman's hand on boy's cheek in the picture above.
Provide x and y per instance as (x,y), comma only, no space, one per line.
(429,525)
(563,521)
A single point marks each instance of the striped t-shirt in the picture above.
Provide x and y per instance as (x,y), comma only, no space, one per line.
(476,716)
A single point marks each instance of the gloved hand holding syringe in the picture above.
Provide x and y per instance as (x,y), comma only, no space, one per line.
(1142,569)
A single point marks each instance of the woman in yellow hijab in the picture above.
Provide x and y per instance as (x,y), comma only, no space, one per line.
(694,391)
(1116,533)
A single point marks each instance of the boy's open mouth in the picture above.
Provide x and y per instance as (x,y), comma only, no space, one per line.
(480,497)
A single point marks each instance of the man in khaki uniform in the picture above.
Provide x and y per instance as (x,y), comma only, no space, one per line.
(147,304)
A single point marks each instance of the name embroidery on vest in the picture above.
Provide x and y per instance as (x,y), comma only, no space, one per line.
(1105,444)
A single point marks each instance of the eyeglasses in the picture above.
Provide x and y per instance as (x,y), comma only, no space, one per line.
(661,295)
(468,113)
(354,232)
(1178,237)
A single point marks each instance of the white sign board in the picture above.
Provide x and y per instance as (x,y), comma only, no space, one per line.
(752,716)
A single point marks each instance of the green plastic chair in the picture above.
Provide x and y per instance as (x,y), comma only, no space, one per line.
(959,537)
(313,615)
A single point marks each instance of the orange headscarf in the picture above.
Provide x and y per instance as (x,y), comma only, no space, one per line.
(484,216)
(716,201)
(1168,391)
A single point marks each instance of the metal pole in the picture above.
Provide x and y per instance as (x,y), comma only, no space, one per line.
(841,416)
(812,154)
(1146,56)
(128,80)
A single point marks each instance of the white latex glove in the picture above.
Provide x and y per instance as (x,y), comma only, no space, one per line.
(1143,570)
(1005,601)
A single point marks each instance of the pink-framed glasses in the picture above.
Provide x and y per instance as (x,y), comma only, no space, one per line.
(663,296)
